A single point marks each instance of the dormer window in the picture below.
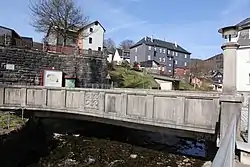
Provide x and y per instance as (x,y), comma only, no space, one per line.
(91,30)
(96,23)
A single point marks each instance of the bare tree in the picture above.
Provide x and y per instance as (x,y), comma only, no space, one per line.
(62,17)
(110,45)
(198,67)
(126,44)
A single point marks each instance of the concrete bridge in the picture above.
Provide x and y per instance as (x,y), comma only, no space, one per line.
(179,110)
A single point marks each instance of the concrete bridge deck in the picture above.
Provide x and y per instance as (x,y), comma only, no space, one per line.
(189,111)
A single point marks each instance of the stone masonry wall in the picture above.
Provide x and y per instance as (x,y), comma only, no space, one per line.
(28,64)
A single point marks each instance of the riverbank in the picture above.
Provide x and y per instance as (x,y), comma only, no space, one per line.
(10,122)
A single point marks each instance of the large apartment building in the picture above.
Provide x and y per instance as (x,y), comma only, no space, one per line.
(169,55)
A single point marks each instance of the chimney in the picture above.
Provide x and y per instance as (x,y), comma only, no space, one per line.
(152,39)
(175,43)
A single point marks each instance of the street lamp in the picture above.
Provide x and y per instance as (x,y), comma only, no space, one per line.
(173,68)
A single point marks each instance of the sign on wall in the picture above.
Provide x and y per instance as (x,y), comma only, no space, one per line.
(10,67)
(52,78)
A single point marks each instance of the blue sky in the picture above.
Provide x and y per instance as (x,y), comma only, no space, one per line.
(193,24)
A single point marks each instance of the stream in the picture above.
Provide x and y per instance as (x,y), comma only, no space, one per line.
(54,143)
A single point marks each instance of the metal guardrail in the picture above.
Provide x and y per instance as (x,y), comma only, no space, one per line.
(226,153)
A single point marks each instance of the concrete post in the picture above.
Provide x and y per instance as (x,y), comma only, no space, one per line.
(229,67)
(230,104)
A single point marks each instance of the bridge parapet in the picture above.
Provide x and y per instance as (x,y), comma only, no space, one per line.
(172,109)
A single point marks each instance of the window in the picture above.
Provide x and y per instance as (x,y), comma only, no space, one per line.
(173,53)
(154,53)
(185,64)
(164,59)
(91,30)
(135,58)
(135,49)
(170,65)
(149,47)
(176,53)
(219,81)
(169,58)
(96,23)
(160,59)
(99,48)
(149,57)
(164,50)
(168,52)
(185,56)
(90,40)
(169,71)
(176,62)
(160,50)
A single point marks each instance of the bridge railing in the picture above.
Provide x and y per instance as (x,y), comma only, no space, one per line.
(225,155)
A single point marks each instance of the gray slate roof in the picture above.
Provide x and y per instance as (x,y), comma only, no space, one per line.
(244,23)
(160,43)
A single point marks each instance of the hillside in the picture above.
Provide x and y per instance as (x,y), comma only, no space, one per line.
(129,78)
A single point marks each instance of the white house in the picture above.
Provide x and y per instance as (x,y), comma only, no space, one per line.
(243,56)
(89,37)
(92,36)
(118,56)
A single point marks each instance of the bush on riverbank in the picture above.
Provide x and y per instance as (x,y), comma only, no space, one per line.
(10,120)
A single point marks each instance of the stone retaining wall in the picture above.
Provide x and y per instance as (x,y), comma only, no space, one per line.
(28,64)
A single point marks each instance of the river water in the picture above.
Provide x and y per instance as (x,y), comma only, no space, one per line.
(81,143)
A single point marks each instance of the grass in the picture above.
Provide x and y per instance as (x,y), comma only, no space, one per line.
(14,120)
(128,78)
(204,87)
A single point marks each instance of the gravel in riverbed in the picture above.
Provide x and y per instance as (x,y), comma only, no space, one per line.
(80,151)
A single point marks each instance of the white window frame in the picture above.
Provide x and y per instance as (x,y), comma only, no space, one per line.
(163,59)
(149,57)
(160,50)
(149,47)
(135,49)
(164,51)
(176,53)
(185,56)
(160,59)
(169,52)
(176,62)
(169,65)
(173,53)
(136,58)
(169,71)
(169,58)
(185,64)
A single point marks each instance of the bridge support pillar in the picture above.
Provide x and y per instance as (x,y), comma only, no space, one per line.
(230,105)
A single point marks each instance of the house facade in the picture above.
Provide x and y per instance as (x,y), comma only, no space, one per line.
(243,56)
(169,55)
(89,37)
(119,56)
(8,36)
